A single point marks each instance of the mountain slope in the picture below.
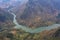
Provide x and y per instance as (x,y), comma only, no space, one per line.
(6,19)
(36,13)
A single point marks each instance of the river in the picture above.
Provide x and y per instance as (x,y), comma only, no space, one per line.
(30,30)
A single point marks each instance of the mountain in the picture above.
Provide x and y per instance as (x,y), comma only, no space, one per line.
(37,13)
(6,19)
(34,13)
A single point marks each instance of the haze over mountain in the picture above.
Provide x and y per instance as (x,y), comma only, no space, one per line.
(9,3)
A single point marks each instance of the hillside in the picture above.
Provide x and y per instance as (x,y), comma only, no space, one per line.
(6,19)
(16,34)
(37,13)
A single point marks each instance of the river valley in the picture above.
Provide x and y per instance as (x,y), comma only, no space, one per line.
(30,30)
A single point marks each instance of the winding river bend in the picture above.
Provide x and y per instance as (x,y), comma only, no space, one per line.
(37,30)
